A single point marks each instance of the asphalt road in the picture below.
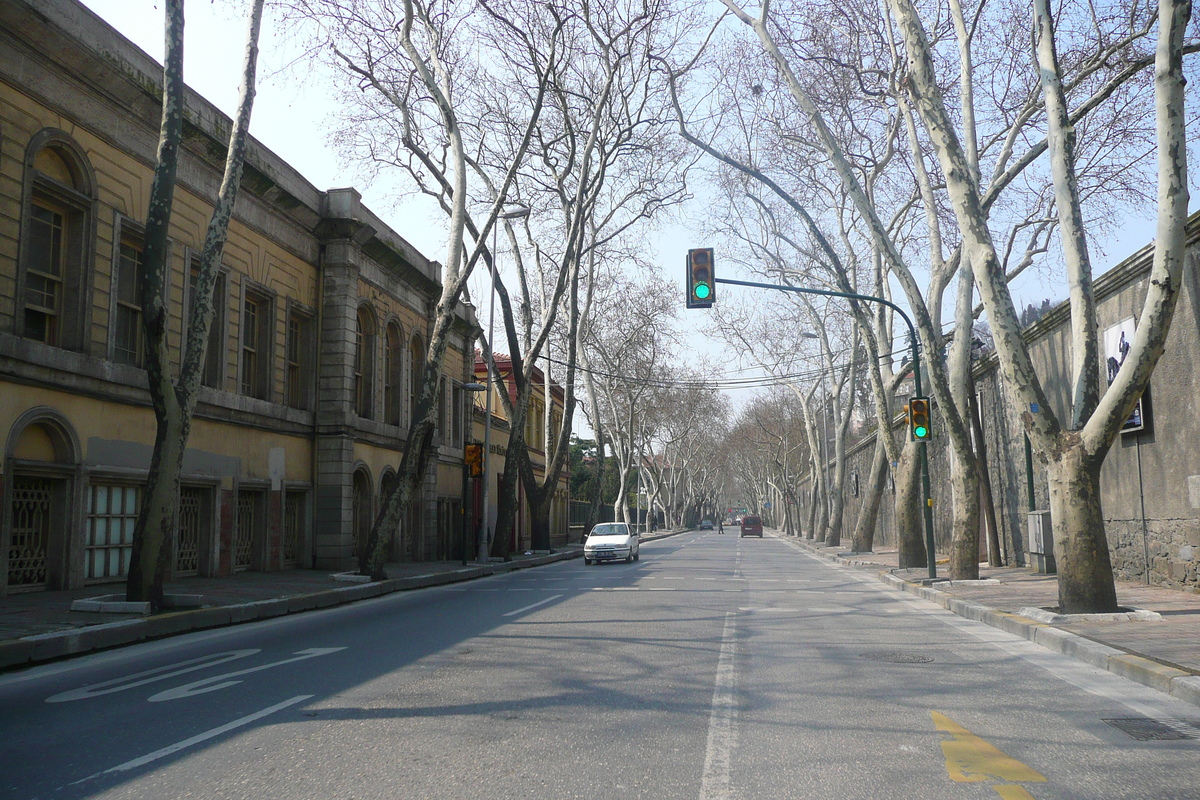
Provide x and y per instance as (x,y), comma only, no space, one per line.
(716,667)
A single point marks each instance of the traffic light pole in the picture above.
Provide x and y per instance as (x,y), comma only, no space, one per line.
(916,361)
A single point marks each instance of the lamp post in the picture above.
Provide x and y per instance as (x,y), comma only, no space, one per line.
(481,540)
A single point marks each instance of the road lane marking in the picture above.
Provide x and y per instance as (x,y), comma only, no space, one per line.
(202,737)
(150,676)
(970,759)
(533,605)
(1013,792)
(722,719)
(212,684)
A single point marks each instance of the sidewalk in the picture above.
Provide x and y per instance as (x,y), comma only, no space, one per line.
(1162,653)
(40,626)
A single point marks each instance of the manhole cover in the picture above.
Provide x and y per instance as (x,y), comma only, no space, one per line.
(1145,730)
(898,658)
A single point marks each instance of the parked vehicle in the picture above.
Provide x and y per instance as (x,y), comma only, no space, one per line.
(611,541)
(706,525)
(751,526)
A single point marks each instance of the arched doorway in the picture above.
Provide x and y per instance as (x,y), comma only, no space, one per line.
(37,538)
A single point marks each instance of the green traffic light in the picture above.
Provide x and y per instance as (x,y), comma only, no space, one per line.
(920,431)
(702,291)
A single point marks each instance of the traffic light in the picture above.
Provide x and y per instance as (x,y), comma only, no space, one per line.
(473,456)
(700,283)
(918,419)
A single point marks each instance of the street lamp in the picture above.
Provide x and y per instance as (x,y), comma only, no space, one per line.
(519,211)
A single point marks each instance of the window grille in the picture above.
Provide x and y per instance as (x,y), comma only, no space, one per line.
(293,526)
(191,522)
(30,531)
(243,545)
(112,514)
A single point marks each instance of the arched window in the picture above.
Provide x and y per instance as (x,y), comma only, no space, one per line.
(393,370)
(416,368)
(55,242)
(364,362)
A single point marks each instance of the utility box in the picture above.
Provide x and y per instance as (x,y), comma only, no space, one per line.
(1041,543)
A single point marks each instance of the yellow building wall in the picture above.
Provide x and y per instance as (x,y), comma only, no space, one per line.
(123,187)
(109,421)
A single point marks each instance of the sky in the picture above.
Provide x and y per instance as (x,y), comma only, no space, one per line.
(292,117)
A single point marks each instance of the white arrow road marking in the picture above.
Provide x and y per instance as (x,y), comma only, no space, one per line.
(533,605)
(150,676)
(212,685)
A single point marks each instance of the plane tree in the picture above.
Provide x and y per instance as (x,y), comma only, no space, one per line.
(173,398)
(841,77)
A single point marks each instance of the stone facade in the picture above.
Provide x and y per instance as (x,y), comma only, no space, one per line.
(323,315)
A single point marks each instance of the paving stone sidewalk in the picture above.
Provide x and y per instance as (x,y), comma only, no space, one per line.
(1164,653)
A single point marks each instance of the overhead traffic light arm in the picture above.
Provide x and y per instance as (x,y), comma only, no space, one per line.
(916,362)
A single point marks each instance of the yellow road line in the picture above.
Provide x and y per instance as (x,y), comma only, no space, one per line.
(969,759)
(1013,792)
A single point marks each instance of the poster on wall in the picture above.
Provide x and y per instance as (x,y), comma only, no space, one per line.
(1117,341)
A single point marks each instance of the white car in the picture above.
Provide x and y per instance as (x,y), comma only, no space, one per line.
(611,541)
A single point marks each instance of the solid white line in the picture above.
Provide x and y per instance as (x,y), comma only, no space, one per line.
(533,605)
(723,718)
(237,723)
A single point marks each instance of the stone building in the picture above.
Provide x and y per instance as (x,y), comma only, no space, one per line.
(322,320)
(536,431)
(1150,481)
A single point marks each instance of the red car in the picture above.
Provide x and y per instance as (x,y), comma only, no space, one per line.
(751,526)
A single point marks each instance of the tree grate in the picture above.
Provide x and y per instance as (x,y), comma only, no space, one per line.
(1144,729)
(897,657)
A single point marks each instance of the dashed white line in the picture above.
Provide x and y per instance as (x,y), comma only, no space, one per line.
(533,605)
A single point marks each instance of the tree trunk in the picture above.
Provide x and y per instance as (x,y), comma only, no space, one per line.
(833,529)
(872,493)
(995,552)
(508,500)
(174,402)
(1085,579)
(150,561)
(964,537)
(910,538)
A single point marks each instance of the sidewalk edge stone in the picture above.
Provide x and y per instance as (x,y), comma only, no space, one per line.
(41,647)
(1176,682)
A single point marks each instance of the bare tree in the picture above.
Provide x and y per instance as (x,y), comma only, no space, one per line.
(603,167)
(1073,452)
(833,126)
(423,109)
(174,399)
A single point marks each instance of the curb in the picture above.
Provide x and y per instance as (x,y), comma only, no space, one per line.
(42,647)
(1180,683)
